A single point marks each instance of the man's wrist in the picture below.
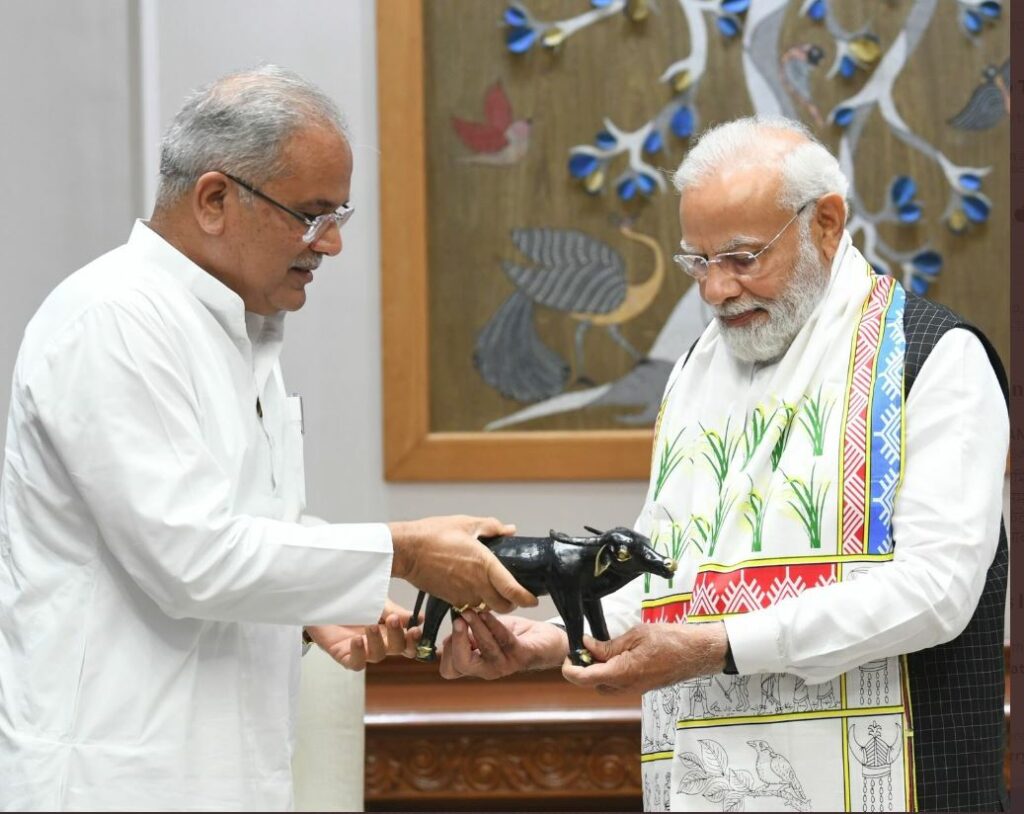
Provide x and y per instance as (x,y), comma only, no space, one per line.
(552,657)
(720,654)
(400,558)
(730,663)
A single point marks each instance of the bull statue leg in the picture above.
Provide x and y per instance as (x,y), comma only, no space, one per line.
(595,616)
(426,649)
(570,608)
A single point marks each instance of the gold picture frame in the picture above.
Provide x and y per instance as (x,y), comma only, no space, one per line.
(411,451)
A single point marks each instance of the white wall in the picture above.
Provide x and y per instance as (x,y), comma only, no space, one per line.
(67,150)
(86,90)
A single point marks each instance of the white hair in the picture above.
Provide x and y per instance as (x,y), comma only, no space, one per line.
(238,124)
(808,170)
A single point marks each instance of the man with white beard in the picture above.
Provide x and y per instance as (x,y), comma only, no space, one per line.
(804,457)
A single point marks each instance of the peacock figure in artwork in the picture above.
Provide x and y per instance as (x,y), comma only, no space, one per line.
(573,273)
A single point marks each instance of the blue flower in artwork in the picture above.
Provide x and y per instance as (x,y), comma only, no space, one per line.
(516,17)
(635,183)
(843,116)
(970,181)
(600,3)
(653,143)
(816,10)
(582,164)
(909,213)
(974,16)
(919,285)
(922,270)
(646,183)
(969,204)
(847,67)
(976,207)
(728,25)
(522,30)
(902,192)
(605,140)
(991,9)
(682,122)
(928,263)
(728,17)
(588,168)
(520,39)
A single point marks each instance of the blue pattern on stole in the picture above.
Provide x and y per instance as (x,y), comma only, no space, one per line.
(886,429)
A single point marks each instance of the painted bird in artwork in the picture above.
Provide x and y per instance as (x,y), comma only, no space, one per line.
(795,67)
(578,275)
(989,101)
(501,139)
(775,770)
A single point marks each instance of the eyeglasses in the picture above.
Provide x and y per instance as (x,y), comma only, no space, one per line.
(315,227)
(740,264)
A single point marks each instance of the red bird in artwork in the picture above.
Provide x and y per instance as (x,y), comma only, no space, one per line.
(501,139)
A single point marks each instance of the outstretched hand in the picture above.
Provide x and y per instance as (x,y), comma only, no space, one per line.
(355,646)
(483,646)
(647,657)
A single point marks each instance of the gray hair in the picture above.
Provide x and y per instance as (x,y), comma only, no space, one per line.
(238,124)
(808,170)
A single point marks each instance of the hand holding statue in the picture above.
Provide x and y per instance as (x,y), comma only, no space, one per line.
(483,646)
(444,557)
(647,657)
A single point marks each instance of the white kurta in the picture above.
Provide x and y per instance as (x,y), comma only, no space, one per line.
(154,568)
(806,608)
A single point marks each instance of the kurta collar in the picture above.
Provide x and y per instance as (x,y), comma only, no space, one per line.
(259,338)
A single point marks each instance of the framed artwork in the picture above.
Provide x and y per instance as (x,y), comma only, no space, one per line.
(531,309)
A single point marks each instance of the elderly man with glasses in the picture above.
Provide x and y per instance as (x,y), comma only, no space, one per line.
(828,470)
(157,570)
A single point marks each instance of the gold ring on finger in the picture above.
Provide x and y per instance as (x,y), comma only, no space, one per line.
(461,608)
(481,607)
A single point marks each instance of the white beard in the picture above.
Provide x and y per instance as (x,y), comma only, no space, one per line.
(768,339)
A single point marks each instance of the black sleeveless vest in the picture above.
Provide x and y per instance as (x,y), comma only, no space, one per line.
(957,688)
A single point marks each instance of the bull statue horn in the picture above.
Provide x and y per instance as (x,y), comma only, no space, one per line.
(592,530)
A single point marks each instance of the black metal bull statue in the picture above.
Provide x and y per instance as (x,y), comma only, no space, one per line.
(575,571)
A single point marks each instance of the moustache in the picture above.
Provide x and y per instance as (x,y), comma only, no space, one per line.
(308,264)
(736,308)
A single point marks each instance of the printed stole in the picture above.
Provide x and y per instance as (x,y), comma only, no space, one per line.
(860,719)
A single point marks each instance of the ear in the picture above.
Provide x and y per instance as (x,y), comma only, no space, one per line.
(603,561)
(828,224)
(209,202)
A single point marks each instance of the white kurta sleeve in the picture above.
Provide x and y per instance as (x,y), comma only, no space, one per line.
(113,399)
(946,527)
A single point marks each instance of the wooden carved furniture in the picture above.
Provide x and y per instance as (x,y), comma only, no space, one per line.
(527,741)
